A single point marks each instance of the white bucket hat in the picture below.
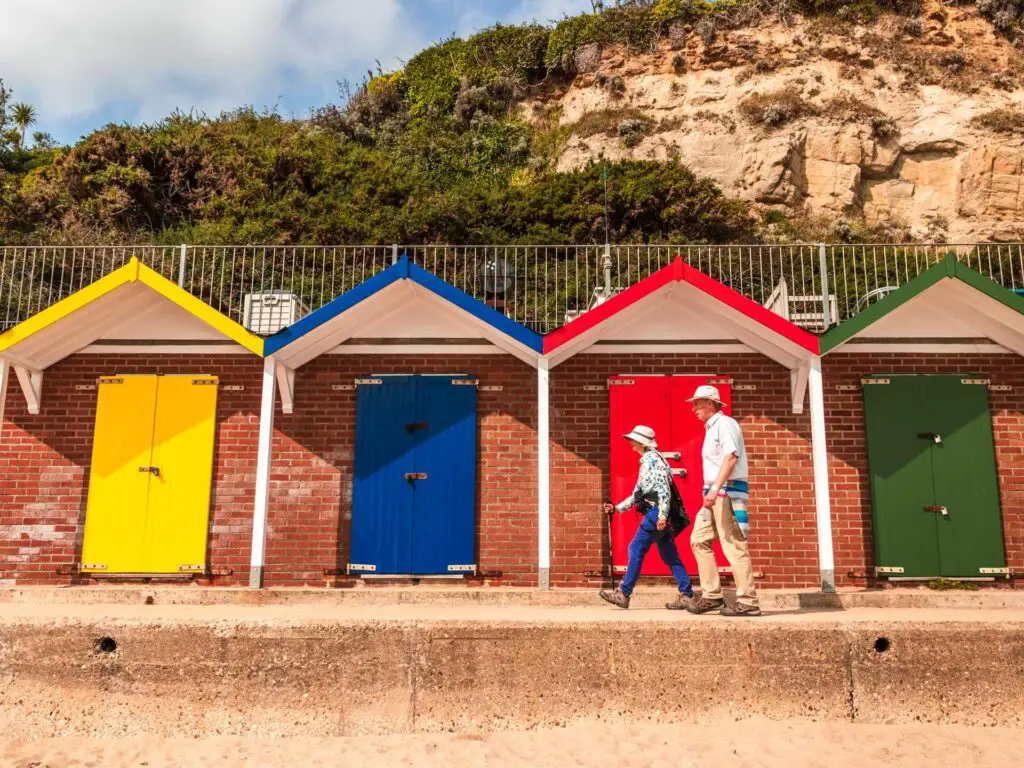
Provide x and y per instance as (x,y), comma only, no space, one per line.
(643,435)
(706,392)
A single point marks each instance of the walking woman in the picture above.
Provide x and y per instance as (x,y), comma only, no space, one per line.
(651,497)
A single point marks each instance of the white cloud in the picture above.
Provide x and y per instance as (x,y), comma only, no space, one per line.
(75,58)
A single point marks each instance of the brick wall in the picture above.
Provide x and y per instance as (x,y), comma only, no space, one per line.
(310,515)
(783,538)
(844,417)
(44,464)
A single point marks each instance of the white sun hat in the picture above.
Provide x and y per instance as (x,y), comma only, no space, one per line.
(643,435)
(706,392)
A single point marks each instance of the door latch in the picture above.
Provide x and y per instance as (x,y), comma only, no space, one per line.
(941,510)
(154,470)
(930,436)
(410,476)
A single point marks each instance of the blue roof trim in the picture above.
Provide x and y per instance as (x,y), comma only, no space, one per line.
(477,309)
(404,270)
(336,306)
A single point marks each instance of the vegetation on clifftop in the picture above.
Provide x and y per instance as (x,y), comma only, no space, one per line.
(435,152)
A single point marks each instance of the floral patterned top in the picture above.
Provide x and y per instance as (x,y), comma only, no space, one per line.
(654,478)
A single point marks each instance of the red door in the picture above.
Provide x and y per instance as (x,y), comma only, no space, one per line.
(660,403)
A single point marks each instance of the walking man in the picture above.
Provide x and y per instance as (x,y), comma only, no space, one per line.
(724,515)
(651,497)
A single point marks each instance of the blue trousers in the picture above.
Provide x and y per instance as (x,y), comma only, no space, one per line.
(646,536)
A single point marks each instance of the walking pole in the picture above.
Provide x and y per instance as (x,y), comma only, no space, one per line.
(611,551)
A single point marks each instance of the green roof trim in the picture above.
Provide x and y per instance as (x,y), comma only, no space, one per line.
(847,329)
(948,268)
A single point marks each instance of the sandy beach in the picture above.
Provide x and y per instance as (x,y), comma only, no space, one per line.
(761,743)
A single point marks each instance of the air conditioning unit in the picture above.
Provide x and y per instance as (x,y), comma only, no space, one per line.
(267,312)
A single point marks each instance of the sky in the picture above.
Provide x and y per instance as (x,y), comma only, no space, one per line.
(85,63)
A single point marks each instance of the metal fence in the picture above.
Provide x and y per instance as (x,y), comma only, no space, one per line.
(541,286)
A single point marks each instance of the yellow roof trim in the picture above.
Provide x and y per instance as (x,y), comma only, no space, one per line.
(200,309)
(133,271)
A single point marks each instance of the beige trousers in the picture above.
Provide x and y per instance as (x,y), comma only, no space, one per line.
(719,523)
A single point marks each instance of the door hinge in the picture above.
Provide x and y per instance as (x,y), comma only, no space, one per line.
(465,382)
(975,381)
(620,382)
(204,382)
(94,566)
(191,568)
(462,568)
(366,382)
(994,571)
(874,381)
(360,567)
(883,569)
(109,380)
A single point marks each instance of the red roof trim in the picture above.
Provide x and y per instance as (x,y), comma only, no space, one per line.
(612,307)
(678,271)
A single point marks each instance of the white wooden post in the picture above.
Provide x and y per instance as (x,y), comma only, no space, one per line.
(543,476)
(263,466)
(819,454)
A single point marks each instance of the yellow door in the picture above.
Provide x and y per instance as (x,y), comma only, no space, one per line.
(179,495)
(115,517)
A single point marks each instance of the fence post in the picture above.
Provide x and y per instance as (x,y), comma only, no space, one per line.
(826,316)
(394,253)
(606,265)
(182,262)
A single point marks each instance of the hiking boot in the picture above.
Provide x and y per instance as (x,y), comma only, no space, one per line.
(704,605)
(739,609)
(681,603)
(615,598)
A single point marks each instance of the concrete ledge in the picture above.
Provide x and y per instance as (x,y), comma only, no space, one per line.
(498,596)
(262,675)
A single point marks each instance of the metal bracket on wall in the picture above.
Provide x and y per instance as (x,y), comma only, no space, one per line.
(745,387)
(84,387)
(343,387)
(975,381)
(492,388)
(847,388)
(1000,388)
(234,388)
(595,387)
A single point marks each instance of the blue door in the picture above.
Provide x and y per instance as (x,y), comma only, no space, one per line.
(414,495)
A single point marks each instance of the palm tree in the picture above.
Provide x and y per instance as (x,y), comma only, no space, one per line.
(23,116)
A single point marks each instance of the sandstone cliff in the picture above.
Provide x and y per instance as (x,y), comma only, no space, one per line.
(916,124)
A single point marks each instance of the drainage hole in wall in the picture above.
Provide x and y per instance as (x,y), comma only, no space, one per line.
(882,645)
(106,645)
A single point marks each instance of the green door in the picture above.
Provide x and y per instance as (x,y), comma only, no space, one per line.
(934,492)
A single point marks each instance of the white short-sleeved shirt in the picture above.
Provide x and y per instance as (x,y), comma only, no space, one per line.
(722,436)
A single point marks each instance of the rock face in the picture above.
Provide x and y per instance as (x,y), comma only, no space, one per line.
(879,125)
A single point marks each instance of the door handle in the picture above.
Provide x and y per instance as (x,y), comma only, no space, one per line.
(154,470)
(930,436)
(678,471)
(410,476)
(941,510)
